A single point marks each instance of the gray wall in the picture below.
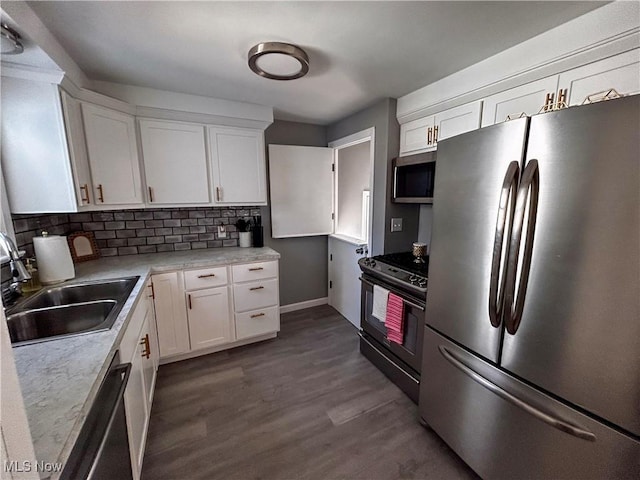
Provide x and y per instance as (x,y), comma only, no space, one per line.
(382,116)
(303,262)
(426,220)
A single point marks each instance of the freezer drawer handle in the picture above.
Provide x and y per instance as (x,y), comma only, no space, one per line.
(505,210)
(514,300)
(547,418)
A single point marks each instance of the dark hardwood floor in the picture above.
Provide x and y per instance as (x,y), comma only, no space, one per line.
(304,406)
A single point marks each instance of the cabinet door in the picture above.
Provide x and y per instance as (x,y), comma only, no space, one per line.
(458,120)
(136,411)
(175,162)
(77,149)
(147,353)
(526,99)
(417,135)
(619,72)
(153,329)
(171,315)
(113,155)
(210,320)
(238,166)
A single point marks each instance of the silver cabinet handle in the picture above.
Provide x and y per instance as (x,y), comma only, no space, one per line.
(507,205)
(529,190)
(548,418)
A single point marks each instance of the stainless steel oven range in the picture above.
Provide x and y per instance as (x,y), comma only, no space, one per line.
(405,276)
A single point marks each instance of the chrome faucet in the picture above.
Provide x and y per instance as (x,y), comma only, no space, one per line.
(19,273)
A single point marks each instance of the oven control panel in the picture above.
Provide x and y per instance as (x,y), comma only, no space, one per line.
(397,275)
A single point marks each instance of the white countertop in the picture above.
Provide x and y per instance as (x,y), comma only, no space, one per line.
(60,378)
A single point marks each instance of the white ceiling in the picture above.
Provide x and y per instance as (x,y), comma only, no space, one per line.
(359,51)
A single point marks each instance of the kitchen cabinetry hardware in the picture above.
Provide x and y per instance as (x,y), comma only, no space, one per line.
(189,298)
(208,275)
(150,194)
(101,196)
(218,194)
(562,96)
(429,135)
(435,134)
(257,288)
(515,116)
(256,269)
(153,293)
(608,94)
(84,189)
(256,315)
(147,346)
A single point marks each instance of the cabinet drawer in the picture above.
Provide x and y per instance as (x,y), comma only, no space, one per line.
(250,296)
(205,278)
(257,322)
(254,271)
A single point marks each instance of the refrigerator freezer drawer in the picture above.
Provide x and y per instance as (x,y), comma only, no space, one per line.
(503,428)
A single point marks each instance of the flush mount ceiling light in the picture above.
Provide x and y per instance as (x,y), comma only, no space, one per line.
(10,41)
(278,61)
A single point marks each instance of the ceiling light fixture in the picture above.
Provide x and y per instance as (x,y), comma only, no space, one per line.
(278,61)
(10,41)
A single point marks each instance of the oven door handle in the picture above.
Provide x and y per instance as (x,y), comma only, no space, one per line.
(414,305)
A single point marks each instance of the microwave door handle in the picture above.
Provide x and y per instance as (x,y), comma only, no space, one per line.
(506,208)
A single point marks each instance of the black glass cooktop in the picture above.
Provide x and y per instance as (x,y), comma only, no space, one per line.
(405,261)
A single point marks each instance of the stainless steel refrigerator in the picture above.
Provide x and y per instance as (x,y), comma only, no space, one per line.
(531,364)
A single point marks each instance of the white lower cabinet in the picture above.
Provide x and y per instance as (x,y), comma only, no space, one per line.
(139,348)
(210,317)
(211,309)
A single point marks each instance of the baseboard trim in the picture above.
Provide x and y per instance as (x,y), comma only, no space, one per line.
(292,307)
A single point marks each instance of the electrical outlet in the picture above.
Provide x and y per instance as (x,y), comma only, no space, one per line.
(222,231)
(396,224)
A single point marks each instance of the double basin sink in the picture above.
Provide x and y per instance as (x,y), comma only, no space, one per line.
(68,310)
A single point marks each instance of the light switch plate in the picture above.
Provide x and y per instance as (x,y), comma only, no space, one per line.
(222,231)
(396,224)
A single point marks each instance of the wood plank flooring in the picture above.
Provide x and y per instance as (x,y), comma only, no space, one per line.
(306,405)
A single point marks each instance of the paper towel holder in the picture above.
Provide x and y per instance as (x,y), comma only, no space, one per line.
(83,246)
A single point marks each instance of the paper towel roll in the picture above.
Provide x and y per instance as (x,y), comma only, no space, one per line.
(54,259)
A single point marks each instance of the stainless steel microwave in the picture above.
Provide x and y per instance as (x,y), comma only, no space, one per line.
(414,178)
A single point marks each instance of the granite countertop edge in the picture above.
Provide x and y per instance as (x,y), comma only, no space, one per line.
(61,378)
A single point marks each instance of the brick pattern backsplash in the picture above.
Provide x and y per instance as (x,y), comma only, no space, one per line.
(129,232)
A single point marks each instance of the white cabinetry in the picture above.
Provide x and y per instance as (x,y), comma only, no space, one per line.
(422,135)
(238,166)
(137,347)
(171,314)
(210,318)
(175,162)
(525,99)
(113,155)
(621,72)
(216,308)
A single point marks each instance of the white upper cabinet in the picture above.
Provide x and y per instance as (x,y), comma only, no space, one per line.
(417,136)
(527,99)
(457,121)
(621,72)
(175,162)
(238,166)
(422,135)
(77,149)
(113,155)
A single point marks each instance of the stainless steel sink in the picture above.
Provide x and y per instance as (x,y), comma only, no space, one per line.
(68,310)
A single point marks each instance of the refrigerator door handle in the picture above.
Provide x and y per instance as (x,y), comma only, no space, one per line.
(505,210)
(529,190)
(549,418)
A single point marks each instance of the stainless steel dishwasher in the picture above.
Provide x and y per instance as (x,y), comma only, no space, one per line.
(102,449)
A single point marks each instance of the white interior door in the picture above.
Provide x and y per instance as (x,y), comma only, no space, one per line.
(353,184)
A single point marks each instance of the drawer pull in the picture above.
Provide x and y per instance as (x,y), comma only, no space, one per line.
(255,269)
(208,275)
(257,315)
(147,346)
(189,298)
(257,288)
